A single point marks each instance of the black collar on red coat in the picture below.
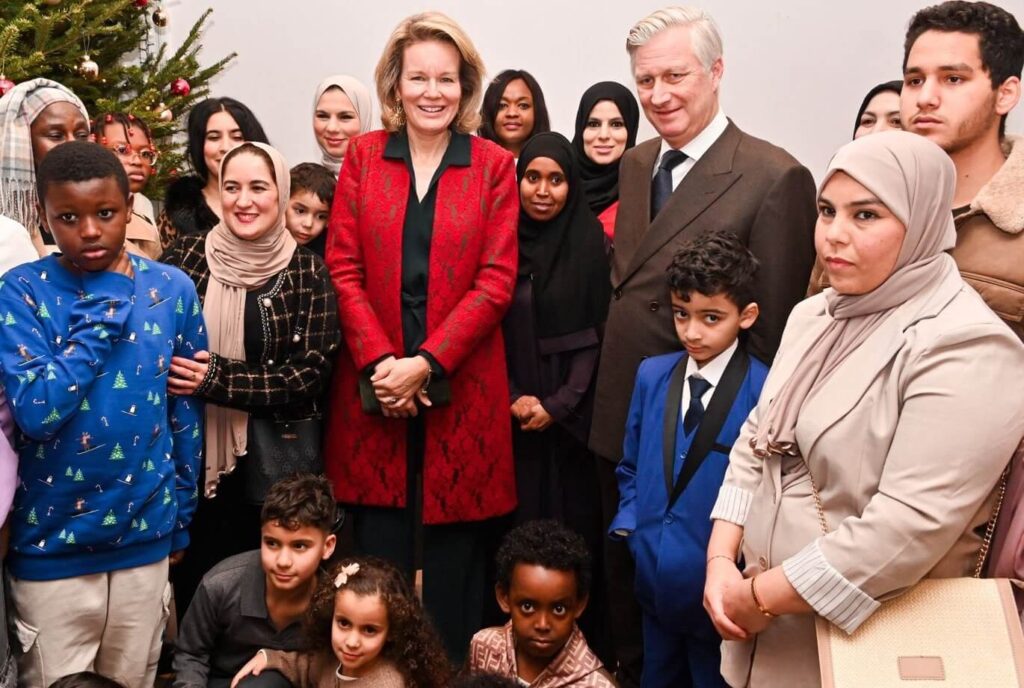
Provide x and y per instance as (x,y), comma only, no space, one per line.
(457,153)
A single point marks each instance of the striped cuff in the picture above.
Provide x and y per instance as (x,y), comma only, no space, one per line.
(826,590)
(733,505)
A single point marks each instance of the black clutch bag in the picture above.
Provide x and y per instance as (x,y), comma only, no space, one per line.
(439,392)
(278,449)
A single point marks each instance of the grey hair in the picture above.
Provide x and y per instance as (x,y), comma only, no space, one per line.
(704,35)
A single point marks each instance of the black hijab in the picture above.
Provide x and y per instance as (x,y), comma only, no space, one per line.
(894,86)
(601,182)
(564,256)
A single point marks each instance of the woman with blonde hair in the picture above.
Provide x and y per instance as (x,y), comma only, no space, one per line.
(422,253)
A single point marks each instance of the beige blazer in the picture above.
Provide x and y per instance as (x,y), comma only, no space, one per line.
(906,442)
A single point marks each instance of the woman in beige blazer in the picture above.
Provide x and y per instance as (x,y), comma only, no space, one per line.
(899,389)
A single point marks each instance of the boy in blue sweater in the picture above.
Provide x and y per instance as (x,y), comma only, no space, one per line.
(687,410)
(107,460)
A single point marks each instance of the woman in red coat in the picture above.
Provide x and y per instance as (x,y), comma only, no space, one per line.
(422,253)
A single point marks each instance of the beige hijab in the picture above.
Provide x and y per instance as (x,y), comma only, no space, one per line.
(238,266)
(915,180)
(360,98)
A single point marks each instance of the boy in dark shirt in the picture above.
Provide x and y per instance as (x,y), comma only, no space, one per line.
(257,599)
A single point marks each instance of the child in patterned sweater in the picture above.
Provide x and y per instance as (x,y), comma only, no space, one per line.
(543,584)
(108,461)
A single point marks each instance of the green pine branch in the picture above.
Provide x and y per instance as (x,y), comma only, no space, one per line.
(39,40)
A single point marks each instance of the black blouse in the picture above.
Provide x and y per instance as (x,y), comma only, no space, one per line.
(416,234)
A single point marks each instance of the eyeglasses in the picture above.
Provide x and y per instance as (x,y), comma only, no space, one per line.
(125,150)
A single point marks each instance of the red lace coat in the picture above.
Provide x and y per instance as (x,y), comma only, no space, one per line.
(468,471)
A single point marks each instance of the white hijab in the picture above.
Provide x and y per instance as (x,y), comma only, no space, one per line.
(360,98)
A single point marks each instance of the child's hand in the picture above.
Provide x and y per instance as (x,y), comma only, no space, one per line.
(254,666)
(187,374)
(538,420)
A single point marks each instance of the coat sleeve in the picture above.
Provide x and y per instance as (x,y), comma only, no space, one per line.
(582,365)
(482,307)
(45,382)
(302,377)
(364,335)
(297,667)
(961,417)
(782,238)
(742,476)
(624,522)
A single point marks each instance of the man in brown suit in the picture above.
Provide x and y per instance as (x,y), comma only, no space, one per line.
(701,175)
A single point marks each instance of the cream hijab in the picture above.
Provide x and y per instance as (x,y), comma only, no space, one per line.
(238,266)
(360,98)
(915,180)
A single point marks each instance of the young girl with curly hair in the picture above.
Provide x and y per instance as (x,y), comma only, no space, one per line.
(365,629)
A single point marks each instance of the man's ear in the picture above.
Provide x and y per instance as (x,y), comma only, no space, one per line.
(502,596)
(748,316)
(330,542)
(131,205)
(1007,95)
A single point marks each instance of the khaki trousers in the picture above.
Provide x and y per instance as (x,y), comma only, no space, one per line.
(111,623)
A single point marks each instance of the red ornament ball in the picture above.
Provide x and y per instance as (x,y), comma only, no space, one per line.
(142,4)
(180,87)
(5,85)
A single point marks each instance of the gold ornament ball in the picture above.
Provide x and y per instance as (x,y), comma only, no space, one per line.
(89,69)
(160,17)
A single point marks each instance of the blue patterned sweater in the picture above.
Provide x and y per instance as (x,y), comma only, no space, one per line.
(107,460)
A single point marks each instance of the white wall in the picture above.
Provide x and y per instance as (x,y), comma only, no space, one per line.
(795,70)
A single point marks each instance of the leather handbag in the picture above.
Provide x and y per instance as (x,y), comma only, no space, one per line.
(956,632)
(276,450)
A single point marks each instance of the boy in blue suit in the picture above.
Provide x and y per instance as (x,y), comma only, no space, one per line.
(687,410)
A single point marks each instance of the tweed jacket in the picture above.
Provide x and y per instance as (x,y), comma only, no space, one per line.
(905,442)
(468,470)
(300,334)
(742,185)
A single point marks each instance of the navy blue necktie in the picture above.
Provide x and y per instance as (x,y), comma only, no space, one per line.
(695,411)
(661,186)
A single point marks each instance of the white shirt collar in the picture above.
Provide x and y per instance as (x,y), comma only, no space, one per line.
(700,143)
(713,369)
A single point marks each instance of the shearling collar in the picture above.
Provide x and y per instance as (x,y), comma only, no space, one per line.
(1002,198)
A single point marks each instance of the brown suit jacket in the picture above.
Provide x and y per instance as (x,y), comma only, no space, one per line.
(743,185)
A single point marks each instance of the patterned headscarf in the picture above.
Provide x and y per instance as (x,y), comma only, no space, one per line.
(18,109)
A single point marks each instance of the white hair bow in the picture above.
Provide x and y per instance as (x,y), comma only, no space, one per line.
(346,572)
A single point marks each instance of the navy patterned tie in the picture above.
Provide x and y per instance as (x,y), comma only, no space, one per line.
(695,411)
(661,187)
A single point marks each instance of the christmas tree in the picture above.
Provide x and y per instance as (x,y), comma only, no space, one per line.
(117,454)
(109,519)
(119,381)
(106,52)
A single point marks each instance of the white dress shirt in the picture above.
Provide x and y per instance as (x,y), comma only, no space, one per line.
(712,372)
(694,149)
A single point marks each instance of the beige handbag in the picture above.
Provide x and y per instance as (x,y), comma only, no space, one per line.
(951,632)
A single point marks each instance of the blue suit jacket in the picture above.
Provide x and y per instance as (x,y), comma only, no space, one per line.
(669,544)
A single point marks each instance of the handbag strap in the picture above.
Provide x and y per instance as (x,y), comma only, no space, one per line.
(990,528)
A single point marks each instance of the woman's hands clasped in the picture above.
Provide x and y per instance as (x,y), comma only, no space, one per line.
(729,603)
(398,385)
